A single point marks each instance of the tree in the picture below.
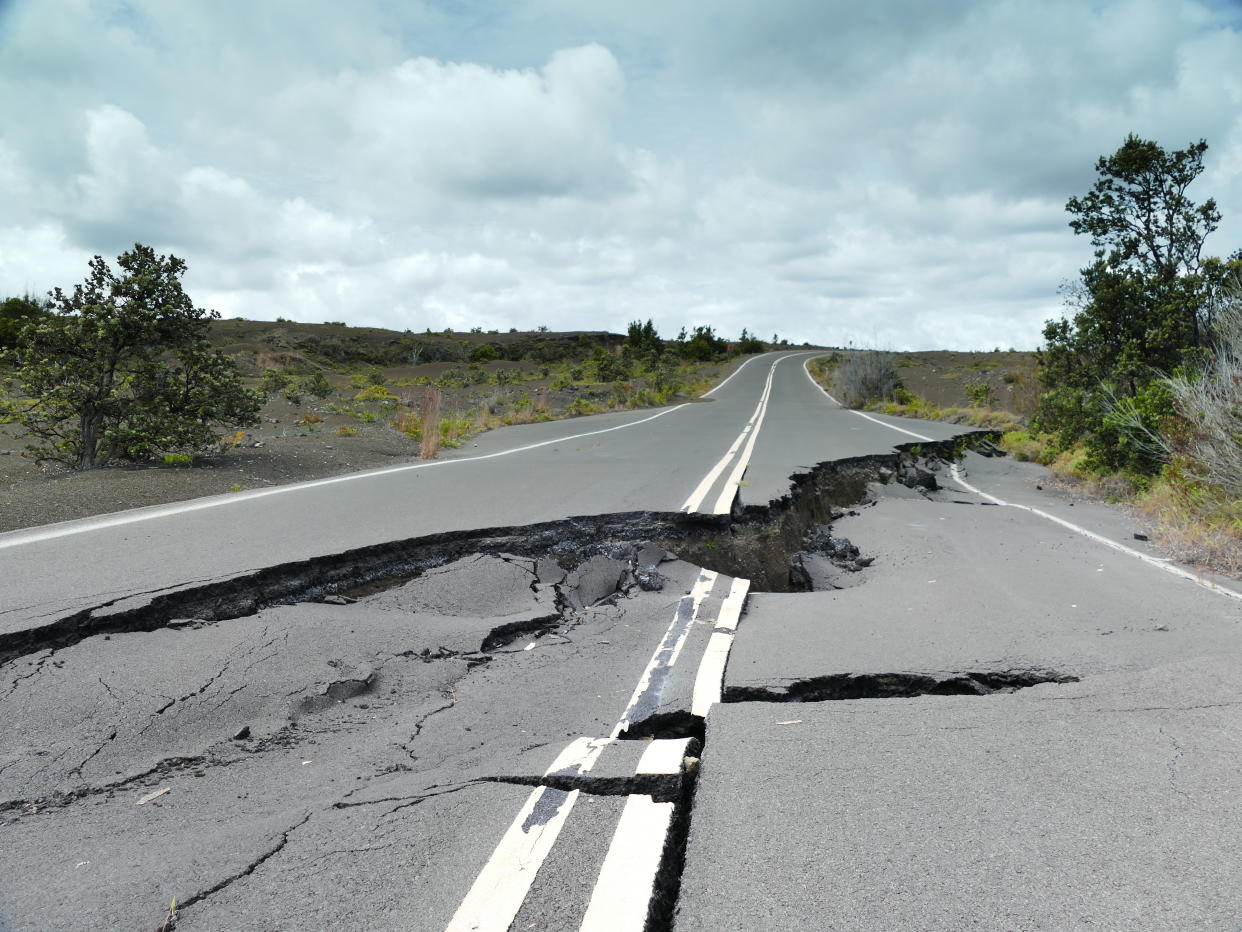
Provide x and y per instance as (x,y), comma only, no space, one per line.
(749,343)
(15,313)
(703,345)
(123,370)
(1142,308)
(643,340)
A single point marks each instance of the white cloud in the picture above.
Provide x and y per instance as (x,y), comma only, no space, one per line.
(829,171)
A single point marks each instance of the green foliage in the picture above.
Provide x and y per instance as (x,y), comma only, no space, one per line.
(703,345)
(123,369)
(749,343)
(375,393)
(609,367)
(643,340)
(316,384)
(980,393)
(1027,447)
(16,313)
(485,352)
(1143,307)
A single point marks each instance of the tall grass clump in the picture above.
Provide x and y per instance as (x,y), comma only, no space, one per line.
(866,377)
(430,444)
(1196,503)
(1209,400)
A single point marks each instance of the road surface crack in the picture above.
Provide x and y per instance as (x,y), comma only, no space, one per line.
(249,868)
(844,686)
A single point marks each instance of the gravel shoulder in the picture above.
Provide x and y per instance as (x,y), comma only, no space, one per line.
(32,495)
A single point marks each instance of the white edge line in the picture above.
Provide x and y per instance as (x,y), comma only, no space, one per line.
(1077,529)
(116,519)
(1099,538)
(807,370)
(631,865)
(730,376)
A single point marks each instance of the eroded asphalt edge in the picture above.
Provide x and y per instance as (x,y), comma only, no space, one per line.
(955,470)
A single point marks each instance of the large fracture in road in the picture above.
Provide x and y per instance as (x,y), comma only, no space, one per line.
(532,686)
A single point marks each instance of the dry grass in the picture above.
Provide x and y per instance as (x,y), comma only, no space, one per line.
(430,445)
(865,377)
(1198,532)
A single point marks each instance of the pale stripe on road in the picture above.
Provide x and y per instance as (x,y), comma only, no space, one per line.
(1198,580)
(501,887)
(669,648)
(710,680)
(630,866)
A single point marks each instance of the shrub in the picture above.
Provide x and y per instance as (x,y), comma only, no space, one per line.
(980,393)
(866,377)
(16,313)
(485,352)
(749,343)
(123,369)
(316,384)
(1208,397)
(375,393)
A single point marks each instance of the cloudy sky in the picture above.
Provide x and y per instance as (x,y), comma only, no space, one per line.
(891,173)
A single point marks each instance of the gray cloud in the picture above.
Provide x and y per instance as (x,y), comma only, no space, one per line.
(892,174)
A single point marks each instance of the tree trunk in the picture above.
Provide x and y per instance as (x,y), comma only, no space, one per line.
(90,440)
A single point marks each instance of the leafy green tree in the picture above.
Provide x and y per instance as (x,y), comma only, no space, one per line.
(703,345)
(609,367)
(749,343)
(1142,308)
(485,352)
(643,340)
(122,369)
(15,314)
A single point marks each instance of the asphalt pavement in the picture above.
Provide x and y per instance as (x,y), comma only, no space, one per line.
(997,710)
(636,461)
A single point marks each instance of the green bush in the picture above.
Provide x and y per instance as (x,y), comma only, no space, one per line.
(485,352)
(123,369)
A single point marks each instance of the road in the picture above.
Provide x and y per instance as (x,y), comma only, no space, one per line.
(488,693)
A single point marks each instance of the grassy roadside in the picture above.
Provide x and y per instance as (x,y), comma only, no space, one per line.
(1185,518)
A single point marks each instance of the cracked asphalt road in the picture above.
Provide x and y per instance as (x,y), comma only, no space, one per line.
(530,734)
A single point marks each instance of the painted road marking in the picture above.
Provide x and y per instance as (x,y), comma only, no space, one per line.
(1099,538)
(700,491)
(1077,529)
(709,682)
(501,887)
(748,436)
(120,518)
(505,880)
(663,756)
(730,377)
(633,857)
(651,683)
(631,864)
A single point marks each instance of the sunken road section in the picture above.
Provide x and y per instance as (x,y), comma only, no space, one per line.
(760,543)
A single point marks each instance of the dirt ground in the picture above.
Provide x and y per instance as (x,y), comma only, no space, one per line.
(945,378)
(293,443)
